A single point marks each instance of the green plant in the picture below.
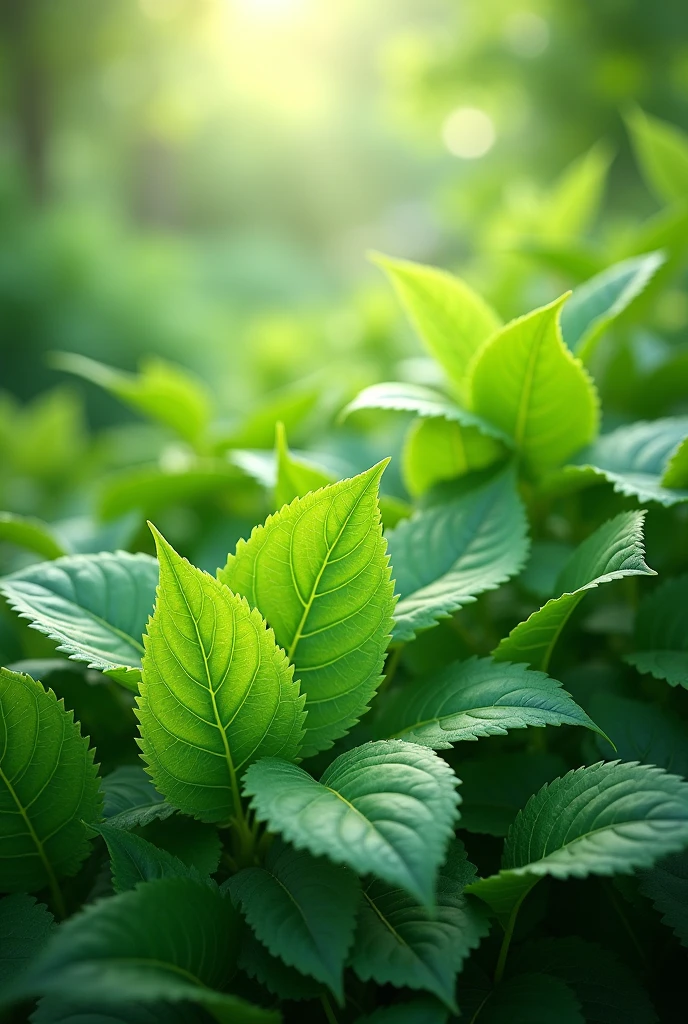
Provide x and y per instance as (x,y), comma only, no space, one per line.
(295,844)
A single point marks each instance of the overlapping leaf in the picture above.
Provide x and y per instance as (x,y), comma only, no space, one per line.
(661,633)
(133,860)
(613,551)
(445,555)
(385,808)
(25,927)
(441,449)
(318,573)
(48,788)
(130,799)
(295,476)
(666,884)
(217,692)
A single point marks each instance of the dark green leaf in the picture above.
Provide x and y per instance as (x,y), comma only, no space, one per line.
(25,927)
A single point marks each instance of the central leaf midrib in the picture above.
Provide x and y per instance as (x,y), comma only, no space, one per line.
(526,392)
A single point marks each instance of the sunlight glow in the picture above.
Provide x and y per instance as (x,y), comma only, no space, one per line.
(468,133)
(277,9)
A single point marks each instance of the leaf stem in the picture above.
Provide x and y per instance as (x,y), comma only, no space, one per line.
(327,1007)
(393,660)
(506,942)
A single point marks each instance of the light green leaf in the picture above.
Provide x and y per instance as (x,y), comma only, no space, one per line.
(661,150)
(400,942)
(295,476)
(607,819)
(445,555)
(666,884)
(526,382)
(531,999)
(303,909)
(440,449)
(130,799)
(94,606)
(480,697)
(569,210)
(217,693)
(616,549)
(642,732)
(386,808)
(318,573)
(676,472)
(597,303)
(25,927)
(30,533)
(661,633)
(451,319)
(291,406)
(133,860)
(164,392)
(48,788)
(173,939)
(495,787)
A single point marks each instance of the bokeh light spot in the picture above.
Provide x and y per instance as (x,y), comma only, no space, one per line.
(468,133)
(526,34)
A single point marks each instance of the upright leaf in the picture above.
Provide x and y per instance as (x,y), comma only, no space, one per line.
(303,909)
(480,697)
(661,633)
(217,692)
(318,573)
(400,942)
(613,551)
(569,209)
(174,939)
(295,476)
(25,927)
(445,555)
(662,152)
(94,606)
(451,319)
(607,819)
(386,808)
(48,788)
(440,449)
(526,382)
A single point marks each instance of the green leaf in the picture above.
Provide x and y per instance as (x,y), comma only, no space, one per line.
(661,149)
(386,808)
(495,787)
(290,406)
(273,973)
(450,318)
(569,209)
(160,390)
(195,843)
(25,927)
(30,533)
(526,382)
(480,697)
(402,943)
(418,1011)
(661,636)
(295,476)
(445,555)
(66,1011)
(666,884)
(48,788)
(150,489)
(608,991)
(173,939)
(440,449)
(425,403)
(130,798)
(597,303)
(94,606)
(607,819)
(134,860)
(547,559)
(531,999)
(633,459)
(303,909)
(318,573)
(217,693)
(616,549)
(642,732)
(676,472)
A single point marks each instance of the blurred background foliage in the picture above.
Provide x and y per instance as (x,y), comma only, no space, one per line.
(200,181)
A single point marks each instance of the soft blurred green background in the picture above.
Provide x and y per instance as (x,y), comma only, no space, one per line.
(201,180)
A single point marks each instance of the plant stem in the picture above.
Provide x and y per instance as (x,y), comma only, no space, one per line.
(327,1007)
(506,942)
(391,667)
(57,899)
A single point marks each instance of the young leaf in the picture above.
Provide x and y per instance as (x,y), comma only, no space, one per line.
(386,808)
(598,302)
(318,573)
(48,788)
(440,449)
(295,476)
(666,884)
(217,693)
(607,819)
(130,799)
(30,533)
(613,551)
(25,927)
(133,860)
(570,207)
(173,939)
(94,606)
(662,152)
(495,788)
(445,555)
(480,697)
(400,942)
(450,318)
(160,390)
(526,382)
(661,633)
(634,460)
(303,909)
